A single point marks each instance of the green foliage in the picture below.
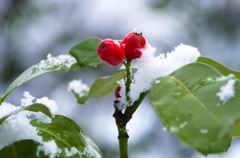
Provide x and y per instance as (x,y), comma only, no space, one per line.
(64,131)
(101,87)
(187,105)
(67,134)
(21,149)
(85,52)
(34,107)
(34,72)
(223,69)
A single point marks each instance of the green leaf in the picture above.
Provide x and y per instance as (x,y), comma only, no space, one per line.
(35,71)
(221,68)
(106,85)
(102,86)
(36,107)
(83,99)
(67,134)
(21,149)
(85,52)
(187,104)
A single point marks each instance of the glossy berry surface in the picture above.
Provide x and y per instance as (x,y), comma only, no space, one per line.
(132,44)
(110,52)
(117,92)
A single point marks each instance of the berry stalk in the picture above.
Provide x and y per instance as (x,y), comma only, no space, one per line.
(129,80)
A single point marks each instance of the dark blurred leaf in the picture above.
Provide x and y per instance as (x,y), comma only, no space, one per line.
(21,149)
(187,104)
(85,52)
(36,107)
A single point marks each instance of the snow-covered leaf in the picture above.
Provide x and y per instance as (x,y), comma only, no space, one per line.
(61,63)
(68,136)
(85,52)
(199,105)
(101,87)
(36,107)
(61,138)
(221,68)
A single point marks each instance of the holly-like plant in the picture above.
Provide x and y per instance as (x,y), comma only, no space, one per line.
(198,100)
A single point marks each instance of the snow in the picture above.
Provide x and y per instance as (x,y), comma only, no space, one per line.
(51,104)
(6,108)
(52,62)
(204,131)
(150,68)
(78,87)
(157,81)
(223,78)
(49,148)
(27,100)
(17,127)
(73,151)
(183,125)
(227,91)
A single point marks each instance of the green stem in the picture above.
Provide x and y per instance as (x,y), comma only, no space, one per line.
(129,80)
(121,122)
(123,142)
(122,119)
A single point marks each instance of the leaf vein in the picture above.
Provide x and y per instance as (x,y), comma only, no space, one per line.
(202,105)
(41,129)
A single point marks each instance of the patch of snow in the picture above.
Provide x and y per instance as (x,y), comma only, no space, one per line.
(52,62)
(204,131)
(27,100)
(183,125)
(17,126)
(227,91)
(223,78)
(78,87)
(150,67)
(49,148)
(157,81)
(122,99)
(73,151)
(51,104)
(7,108)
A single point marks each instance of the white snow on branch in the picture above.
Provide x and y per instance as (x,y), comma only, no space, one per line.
(78,87)
(227,91)
(150,67)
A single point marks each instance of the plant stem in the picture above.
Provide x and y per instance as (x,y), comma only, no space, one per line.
(129,81)
(123,118)
(121,122)
(123,142)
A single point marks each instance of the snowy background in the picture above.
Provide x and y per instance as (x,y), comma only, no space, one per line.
(29,30)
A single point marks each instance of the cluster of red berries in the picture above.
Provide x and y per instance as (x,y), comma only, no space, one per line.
(113,53)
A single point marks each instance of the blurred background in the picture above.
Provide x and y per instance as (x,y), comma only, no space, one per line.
(29,30)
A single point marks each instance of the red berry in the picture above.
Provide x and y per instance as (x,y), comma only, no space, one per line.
(110,52)
(132,43)
(117,92)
